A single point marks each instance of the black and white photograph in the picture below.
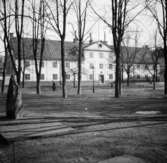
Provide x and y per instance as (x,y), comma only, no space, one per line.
(83,81)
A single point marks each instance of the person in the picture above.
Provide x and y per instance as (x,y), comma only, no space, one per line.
(53,86)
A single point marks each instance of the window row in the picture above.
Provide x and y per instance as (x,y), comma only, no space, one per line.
(110,76)
(101,66)
(68,76)
(54,64)
(101,55)
(42,77)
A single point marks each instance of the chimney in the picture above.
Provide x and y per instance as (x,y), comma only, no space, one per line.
(90,38)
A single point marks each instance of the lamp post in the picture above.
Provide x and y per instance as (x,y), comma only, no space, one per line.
(74,74)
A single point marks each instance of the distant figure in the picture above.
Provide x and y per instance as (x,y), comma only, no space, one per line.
(53,86)
(111,85)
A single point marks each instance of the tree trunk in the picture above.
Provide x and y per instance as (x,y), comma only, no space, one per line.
(38,88)
(117,75)
(14,99)
(23,77)
(4,70)
(79,67)
(64,91)
(156,74)
(122,73)
(154,81)
(165,73)
(128,77)
(24,65)
(18,75)
(74,80)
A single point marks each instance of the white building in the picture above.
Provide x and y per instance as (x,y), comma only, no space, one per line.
(98,62)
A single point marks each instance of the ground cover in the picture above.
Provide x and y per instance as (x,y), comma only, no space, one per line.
(103,127)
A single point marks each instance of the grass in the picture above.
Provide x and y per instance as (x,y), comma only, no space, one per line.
(98,136)
(147,143)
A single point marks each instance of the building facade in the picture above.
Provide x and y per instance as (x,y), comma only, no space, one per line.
(98,62)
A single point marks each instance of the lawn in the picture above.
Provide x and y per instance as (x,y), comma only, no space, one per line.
(102,127)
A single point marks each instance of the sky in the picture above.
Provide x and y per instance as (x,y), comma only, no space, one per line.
(143,24)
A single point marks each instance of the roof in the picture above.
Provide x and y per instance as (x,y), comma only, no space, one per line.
(52,49)
(142,55)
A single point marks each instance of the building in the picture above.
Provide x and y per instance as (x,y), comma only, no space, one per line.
(98,62)
(142,61)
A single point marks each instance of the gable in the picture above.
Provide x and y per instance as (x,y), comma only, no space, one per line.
(98,46)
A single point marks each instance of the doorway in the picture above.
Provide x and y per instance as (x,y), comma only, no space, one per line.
(101,78)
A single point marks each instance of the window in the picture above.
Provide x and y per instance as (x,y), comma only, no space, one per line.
(138,66)
(91,55)
(27,63)
(146,67)
(146,76)
(91,65)
(110,76)
(110,66)
(55,76)
(101,55)
(42,77)
(91,77)
(27,76)
(68,76)
(68,64)
(55,64)
(101,66)
(138,76)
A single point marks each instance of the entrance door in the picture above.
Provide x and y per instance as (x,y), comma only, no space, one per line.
(101,78)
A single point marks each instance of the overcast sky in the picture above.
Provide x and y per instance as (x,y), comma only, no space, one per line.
(144,24)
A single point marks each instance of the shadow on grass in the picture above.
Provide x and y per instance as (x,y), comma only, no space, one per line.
(79,130)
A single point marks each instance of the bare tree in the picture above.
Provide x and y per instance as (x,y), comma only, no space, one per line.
(24,63)
(80,9)
(153,67)
(38,39)
(4,67)
(6,25)
(58,21)
(155,7)
(14,95)
(128,56)
(118,24)
(19,20)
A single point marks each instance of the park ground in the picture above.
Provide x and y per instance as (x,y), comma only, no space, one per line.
(88,128)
